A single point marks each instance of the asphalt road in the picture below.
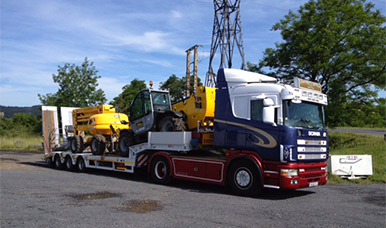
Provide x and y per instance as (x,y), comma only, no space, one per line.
(33,195)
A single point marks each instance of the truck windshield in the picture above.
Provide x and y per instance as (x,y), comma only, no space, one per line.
(160,101)
(305,115)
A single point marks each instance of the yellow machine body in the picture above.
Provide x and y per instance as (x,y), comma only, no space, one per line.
(97,120)
(100,123)
(81,116)
(199,108)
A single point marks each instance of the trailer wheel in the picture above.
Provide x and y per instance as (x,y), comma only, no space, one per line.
(77,144)
(160,170)
(244,179)
(80,165)
(98,144)
(126,140)
(68,163)
(49,162)
(57,163)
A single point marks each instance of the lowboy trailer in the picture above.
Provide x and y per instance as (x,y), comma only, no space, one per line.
(265,134)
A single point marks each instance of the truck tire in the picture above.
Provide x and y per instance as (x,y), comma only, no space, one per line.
(179,124)
(80,165)
(126,140)
(77,144)
(244,179)
(68,163)
(98,144)
(166,124)
(49,162)
(169,123)
(57,163)
(160,170)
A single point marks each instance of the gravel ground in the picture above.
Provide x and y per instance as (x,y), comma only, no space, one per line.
(33,195)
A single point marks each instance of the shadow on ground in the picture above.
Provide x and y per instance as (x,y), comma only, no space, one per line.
(141,176)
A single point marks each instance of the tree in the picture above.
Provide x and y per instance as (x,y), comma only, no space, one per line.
(77,86)
(177,87)
(123,100)
(340,44)
(21,124)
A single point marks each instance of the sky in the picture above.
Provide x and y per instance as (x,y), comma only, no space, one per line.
(125,39)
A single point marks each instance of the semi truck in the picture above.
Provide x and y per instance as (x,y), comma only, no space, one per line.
(265,134)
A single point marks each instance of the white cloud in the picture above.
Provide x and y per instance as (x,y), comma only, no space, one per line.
(163,63)
(111,86)
(176,14)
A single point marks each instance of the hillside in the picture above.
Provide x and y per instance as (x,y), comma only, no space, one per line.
(10,110)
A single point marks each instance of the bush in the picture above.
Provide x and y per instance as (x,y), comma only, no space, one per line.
(21,124)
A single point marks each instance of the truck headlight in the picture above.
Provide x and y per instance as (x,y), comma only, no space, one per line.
(289,172)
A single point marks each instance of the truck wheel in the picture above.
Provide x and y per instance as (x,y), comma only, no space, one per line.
(160,170)
(244,179)
(77,144)
(49,162)
(68,163)
(57,163)
(179,124)
(166,124)
(98,144)
(68,144)
(126,140)
(80,165)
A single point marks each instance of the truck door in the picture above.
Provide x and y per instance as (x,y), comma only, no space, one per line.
(141,113)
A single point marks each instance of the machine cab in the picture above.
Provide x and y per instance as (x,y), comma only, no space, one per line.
(146,108)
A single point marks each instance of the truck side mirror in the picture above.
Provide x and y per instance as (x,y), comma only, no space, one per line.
(269,111)
(269,115)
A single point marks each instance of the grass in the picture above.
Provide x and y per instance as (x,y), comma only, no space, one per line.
(358,144)
(21,143)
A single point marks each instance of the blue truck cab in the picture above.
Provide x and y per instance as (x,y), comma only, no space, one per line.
(283,124)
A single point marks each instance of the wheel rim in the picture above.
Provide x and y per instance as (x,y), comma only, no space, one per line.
(123,144)
(160,170)
(73,145)
(57,162)
(68,163)
(169,127)
(81,164)
(94,146)
(243,178)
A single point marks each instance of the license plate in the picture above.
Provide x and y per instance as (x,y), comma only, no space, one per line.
(313,184)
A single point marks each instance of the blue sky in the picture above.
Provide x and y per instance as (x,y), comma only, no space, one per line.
(125,39)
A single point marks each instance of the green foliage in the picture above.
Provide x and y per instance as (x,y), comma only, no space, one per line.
(77,87)
(123,100)
(340,44)
(349,143)
(177,87)
(369,114)
(21,124)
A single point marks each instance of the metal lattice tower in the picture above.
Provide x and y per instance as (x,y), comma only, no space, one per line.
(226,33)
